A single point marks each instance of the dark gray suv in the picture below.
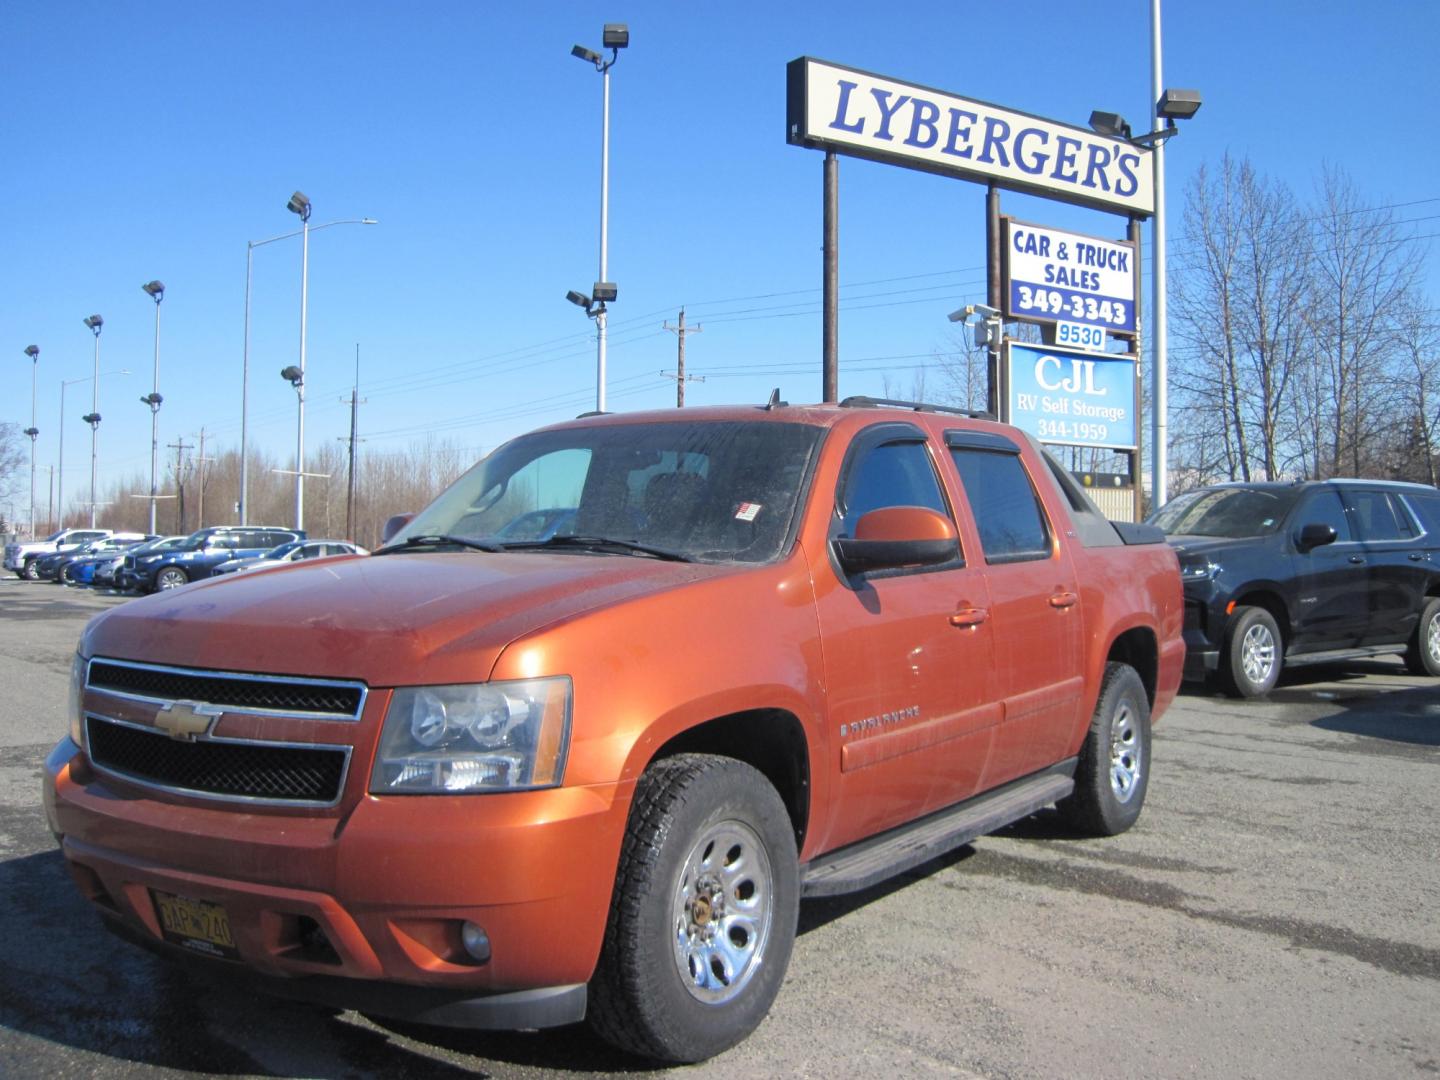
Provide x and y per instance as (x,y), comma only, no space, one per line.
(1283,574)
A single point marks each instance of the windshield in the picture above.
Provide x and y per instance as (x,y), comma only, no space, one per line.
(712,491)
(1230,512)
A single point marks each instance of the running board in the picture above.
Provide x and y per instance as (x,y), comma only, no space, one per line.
(868,862)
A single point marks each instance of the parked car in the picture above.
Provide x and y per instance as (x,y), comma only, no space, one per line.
(59,566)
(780,652)
(1277,575)
(103,573)
(294,551)
(202,551)
(21,558)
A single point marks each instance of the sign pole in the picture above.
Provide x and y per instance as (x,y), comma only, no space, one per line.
(996,403)
(830,360)
(1137,459)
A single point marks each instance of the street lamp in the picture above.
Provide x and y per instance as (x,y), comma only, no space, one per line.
(156,292)
(60,467)
(94,323)
(32,351)
(616,36)
(299,204)
(1170,105)
(250,246)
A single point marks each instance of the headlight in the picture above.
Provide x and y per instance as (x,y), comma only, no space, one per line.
(1202,571)
(78,667)
(500,736)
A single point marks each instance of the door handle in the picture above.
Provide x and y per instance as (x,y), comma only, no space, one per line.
(970,616)
(1064,600)
(1416,556)
(1356,559)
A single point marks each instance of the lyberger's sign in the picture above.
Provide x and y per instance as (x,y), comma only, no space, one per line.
(855,112)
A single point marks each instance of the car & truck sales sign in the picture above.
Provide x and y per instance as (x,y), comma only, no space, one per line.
(1055,275)
(837,108)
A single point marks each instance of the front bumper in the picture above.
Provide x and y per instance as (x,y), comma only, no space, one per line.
(364,907)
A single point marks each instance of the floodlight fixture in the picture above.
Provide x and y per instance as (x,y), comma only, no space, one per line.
(578,299)
(152,399)
(93,419)
(156,289)
(32,432)
(588,55)
(95,322)
(293,375)
(33,351)
(1178,104)
(1109,123)
(604,292)
(616,36)
(299,204)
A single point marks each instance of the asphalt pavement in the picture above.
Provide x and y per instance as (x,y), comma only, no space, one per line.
(1270,916)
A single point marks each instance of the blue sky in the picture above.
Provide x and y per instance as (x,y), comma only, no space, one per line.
(154,140)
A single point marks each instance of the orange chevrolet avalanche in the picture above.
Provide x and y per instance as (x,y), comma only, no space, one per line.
(589,767)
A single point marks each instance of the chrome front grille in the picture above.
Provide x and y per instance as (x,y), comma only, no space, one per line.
(319,698)
(203,764)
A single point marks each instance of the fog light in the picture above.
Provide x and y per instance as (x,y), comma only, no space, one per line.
(476,943)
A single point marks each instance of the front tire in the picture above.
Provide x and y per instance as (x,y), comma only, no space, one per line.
(1254,654)
(171,577)
(1422,655)
(703,916)
(32,570)
(1114,770)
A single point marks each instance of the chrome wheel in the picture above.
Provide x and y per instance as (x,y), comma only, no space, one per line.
(1257,654)
(722,912)
(1126,753)
(170,578)
(1432,641)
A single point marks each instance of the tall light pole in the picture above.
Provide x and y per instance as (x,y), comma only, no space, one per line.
(60,467)
(94,323)
(299,204)
(32,351)
(616,36)
(250,246)
(156,292)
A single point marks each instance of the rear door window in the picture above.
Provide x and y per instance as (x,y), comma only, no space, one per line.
(1008,514)
(1379,515)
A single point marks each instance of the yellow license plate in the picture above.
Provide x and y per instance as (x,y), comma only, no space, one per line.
(195,924)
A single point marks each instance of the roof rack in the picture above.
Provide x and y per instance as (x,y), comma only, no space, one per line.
(592,412)
(915,406)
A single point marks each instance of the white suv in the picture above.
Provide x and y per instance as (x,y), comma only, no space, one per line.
(21,557)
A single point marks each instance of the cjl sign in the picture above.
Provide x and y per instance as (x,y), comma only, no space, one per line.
(1072,398)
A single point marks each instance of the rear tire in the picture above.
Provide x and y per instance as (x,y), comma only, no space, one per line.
(703,915)
(1254,654)
(1114,770)
(1422,655)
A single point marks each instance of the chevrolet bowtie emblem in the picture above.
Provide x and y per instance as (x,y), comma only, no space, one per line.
(184,720)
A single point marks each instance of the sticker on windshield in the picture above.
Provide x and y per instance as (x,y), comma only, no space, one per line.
(747,511)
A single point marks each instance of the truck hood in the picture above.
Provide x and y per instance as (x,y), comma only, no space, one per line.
(1193,548)
(389,620)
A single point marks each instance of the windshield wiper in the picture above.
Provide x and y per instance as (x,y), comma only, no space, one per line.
(441,540)
(601,543)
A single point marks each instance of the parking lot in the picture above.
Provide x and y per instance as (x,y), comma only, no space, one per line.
(1270,916)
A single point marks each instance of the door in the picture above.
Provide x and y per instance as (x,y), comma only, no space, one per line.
(1035,614)
(907,655)
(1330,608)
(1397,561)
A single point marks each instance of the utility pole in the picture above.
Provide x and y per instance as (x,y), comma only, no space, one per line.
(355,403)
(179,447)
(680,377)
(200,465)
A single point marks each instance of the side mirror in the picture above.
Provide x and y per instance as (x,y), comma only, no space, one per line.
(898,536)
(1314,535)
(393,525)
